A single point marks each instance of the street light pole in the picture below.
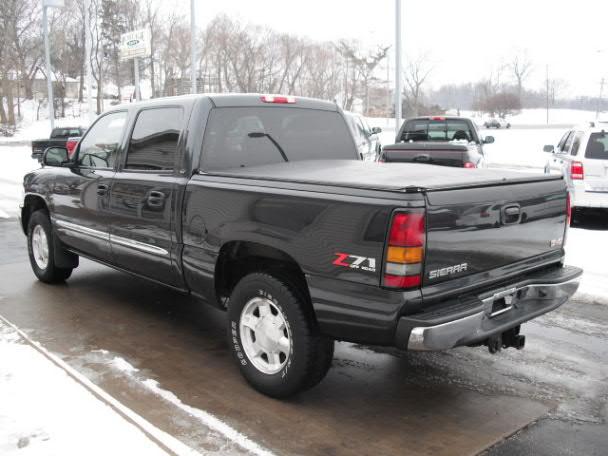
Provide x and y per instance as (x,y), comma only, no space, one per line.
(397,65)
(87,56)
(47,56)
(192,48)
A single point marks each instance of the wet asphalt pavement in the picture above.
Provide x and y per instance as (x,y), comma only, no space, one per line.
(126,334)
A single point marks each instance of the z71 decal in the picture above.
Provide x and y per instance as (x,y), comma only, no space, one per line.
(355,262)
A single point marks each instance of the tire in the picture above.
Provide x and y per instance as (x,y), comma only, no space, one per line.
(292,355)
(40,247)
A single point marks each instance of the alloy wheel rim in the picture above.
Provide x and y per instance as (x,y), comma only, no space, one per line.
(265,335)
(40,247)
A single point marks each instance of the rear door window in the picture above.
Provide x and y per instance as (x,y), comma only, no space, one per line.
(438,130)
(597,147)
(568,143)
(153,144)
(243,137)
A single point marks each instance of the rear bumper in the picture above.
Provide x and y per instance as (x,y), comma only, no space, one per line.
(475,319)
(583,198)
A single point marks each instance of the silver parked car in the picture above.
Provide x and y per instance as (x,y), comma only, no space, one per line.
(582,157)
(366,138)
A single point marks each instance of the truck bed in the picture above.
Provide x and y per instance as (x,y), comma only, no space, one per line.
(397,177)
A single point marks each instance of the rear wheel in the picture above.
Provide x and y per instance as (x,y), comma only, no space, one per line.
(41,252)
(274,338)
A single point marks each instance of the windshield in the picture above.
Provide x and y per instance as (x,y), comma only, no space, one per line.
(243,137)
(597,147)
(438,130)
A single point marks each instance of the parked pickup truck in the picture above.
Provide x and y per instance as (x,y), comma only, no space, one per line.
(438,140)
(259,205)
(59,137)
(444,154)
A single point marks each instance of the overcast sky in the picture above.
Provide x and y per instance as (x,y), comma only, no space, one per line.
(464,39)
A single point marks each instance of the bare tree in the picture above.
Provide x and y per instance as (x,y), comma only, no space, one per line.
(416,74)
(521,67)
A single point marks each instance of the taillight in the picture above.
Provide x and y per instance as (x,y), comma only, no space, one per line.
(437,118)
(577,171)
(470,165)
(70,145)
(405,250)
(278,99)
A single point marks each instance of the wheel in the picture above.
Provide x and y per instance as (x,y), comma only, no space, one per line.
(41,252)
(274,338)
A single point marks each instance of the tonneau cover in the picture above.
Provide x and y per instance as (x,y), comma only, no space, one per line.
(402,177)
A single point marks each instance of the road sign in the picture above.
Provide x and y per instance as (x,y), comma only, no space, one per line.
(134,44)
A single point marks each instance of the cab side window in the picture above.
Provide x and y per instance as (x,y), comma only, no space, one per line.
(568,143)
(99,148)
(153,144)
(562,142)
(576,143)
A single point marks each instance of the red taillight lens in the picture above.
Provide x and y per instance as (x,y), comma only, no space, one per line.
(407,229)
(470,165)
(437,118)
(278,99)
(577,171)
(405,250)
(70,145)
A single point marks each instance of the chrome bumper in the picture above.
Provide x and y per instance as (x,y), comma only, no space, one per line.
(519,303)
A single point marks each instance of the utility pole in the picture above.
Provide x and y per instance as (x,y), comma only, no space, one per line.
(192,47)
(547,82)
(136,73)
(397,65)
(47,57)
(599,100)
(87,56)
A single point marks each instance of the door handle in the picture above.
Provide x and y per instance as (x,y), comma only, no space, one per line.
(155,198)
(102,189)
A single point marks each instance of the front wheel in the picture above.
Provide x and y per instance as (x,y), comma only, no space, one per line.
(274,338)
(41,252)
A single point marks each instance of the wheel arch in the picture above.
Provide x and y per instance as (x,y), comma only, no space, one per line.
(236,259)
(31,203)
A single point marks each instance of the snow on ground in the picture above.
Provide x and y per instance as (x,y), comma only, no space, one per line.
(44,411)
(16,162)
(538,116)
(588,249)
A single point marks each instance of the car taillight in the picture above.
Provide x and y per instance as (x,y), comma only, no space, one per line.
(470,165)
(577,171)
(405,250)
(437,118)
(70,145)
(278,99)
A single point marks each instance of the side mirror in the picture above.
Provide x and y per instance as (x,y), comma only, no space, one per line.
(549,148)
(376,130)
(55,156)
(488,140)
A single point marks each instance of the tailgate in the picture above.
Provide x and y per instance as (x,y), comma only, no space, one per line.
(476,230)
(432,154)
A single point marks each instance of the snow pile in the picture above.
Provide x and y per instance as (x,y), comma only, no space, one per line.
(45,411)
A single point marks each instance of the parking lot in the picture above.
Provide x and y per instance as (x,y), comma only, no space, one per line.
(165,357)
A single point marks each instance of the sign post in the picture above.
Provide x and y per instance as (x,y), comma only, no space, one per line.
(134,45)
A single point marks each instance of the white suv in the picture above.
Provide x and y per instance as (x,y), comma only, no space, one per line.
(582,157)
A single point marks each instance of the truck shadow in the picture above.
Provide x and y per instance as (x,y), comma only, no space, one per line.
(590,219)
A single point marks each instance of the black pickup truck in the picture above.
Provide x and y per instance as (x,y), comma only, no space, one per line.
(59,137)
(438,140)
(258,205)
